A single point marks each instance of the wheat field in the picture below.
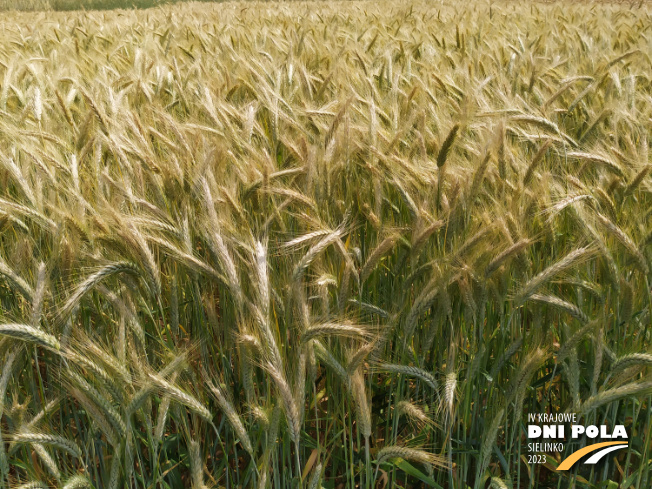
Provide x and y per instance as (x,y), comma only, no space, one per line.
(323,245)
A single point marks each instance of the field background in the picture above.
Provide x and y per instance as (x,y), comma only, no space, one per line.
(66,5)
(336,245)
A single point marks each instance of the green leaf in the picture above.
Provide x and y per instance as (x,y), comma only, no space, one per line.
(410,469)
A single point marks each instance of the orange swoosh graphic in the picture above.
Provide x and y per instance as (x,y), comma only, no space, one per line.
(571,459)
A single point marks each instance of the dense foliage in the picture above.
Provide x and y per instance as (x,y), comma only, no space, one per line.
(351,245)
